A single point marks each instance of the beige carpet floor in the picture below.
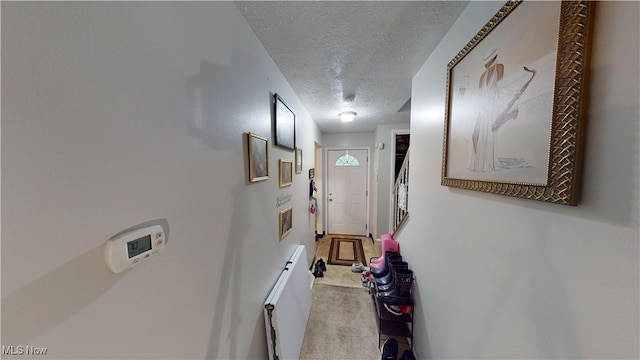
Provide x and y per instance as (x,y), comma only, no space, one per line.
(341,325)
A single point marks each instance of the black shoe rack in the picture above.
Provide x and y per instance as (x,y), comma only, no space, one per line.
(391,325)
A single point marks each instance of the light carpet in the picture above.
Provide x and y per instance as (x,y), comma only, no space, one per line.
(341,325)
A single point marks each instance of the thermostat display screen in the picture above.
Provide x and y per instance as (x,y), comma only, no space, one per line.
(139,246)
(134,246)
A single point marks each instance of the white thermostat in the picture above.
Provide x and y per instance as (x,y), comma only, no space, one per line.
(129,249)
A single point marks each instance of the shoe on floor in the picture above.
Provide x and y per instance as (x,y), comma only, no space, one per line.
(407,355)
(358,267)
(318,272)
(394,309)
(320,263)
(390,349)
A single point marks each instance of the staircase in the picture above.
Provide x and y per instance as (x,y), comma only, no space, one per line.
(401,196)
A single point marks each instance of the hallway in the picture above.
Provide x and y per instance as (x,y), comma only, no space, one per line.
(115,114)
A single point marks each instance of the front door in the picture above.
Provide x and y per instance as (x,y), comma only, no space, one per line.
(347,191)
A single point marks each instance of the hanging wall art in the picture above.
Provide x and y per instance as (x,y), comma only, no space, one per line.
(516,94)
(258,157)
(286,172)
(284,124)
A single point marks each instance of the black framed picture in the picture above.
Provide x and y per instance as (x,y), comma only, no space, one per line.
(284,124)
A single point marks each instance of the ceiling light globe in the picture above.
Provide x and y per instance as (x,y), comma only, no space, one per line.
(347,116)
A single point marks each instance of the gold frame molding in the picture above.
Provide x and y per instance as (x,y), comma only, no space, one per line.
(283,181)
(568,111)
(253,176)
(282,222)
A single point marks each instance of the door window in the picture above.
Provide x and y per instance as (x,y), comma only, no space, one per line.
(347,160)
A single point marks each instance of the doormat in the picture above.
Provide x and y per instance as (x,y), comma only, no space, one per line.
(346,251)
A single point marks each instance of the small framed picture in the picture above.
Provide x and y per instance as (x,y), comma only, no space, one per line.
(285,222)
(286,172)
(298,160)
(258,158)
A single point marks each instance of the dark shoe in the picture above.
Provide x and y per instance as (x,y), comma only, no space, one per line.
(392,298)
(403,279)
(318,272)
(401,293)
(407,355)
(390,349)
(321,264)
(383,271)
(385,280)
(380,272)
(388,282)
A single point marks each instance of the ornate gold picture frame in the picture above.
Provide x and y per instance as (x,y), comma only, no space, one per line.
(516,100)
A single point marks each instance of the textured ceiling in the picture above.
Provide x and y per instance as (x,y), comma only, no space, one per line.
(351,55)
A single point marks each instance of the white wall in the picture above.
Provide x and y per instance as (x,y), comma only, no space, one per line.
(100,132)
(364,139)
(501,277)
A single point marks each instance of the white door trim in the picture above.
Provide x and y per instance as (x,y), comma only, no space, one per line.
(325,180)
(392,172)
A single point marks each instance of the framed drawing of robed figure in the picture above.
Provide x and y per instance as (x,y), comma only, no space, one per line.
(515,105)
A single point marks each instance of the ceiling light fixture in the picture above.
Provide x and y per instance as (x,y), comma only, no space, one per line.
(347,116)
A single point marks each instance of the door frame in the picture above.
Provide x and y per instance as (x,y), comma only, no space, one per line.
(392,171)
(325,180)
(318,179)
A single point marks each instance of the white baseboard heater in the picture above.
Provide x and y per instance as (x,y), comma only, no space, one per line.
(287,308)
